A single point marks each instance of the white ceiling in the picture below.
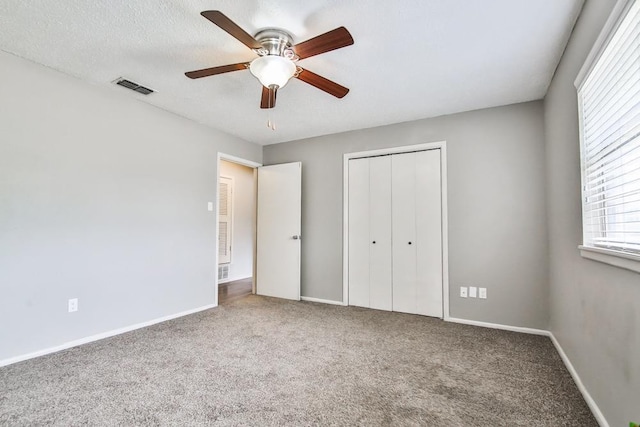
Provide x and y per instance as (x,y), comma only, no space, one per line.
(411,58)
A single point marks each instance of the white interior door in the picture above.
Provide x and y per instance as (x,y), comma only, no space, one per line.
(278,230)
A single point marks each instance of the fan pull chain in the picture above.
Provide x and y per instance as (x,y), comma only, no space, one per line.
(271,125)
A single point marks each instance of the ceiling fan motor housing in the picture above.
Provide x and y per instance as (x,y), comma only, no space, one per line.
(276,42)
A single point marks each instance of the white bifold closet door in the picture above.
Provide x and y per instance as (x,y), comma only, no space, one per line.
(370,232)
(359,220)
(417,233)
(395,238)
(380,250)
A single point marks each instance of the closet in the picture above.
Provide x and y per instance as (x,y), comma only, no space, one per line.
(395,232)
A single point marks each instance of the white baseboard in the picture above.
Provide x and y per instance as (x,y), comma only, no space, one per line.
(100,336)
(323,301)
(576,378)
(499,326)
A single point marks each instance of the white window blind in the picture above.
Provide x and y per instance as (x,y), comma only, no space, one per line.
(609,102)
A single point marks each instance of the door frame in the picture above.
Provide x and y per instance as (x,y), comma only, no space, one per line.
(442,146)
(253,165)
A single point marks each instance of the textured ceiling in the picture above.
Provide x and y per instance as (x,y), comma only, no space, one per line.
(411,59)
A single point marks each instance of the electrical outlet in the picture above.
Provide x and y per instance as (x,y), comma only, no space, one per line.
(463,291)
(483,293)
(73,305)
(210,206)
(473,292)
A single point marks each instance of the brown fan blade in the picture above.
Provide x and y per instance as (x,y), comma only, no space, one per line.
(216,70)
(321,83)
(268,97)
(232,28)
(334,39)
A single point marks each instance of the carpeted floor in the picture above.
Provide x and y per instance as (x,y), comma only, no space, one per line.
(262,361)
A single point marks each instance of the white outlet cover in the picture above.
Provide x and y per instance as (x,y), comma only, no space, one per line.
(483,293)
(463,291)
(210,206)
(473,292)
(73,305)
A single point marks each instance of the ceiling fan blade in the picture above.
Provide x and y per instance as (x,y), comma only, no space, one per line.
(334,39)
(216,70)
(268,97)
(321,83)
(232,28)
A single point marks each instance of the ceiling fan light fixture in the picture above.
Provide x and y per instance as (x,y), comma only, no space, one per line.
(278,55)
(272,70)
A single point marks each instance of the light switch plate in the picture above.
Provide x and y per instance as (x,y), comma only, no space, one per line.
(210,206)
(483,293)
(463,291)
(473,292)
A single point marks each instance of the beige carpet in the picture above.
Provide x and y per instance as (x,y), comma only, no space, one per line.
(262,361)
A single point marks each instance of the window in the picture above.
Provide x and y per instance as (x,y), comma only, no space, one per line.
(609,104)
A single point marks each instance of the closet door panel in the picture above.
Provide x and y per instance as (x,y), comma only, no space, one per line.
(359,232)
(428,233)
(403,181)
(380,280)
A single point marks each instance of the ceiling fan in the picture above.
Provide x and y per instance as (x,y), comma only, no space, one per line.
(276,63)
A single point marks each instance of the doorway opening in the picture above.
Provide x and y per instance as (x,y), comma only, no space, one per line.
(236,228)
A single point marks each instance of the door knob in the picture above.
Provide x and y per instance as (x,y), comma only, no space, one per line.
(409,242)
(374,242)
(297,237)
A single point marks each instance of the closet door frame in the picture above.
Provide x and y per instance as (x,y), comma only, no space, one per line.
(442,146)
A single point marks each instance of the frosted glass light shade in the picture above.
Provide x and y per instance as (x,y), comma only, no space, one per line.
(272,70)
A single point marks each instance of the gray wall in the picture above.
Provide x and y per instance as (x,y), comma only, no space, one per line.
(244,221)
(497,222)
(103,198)
(594,307)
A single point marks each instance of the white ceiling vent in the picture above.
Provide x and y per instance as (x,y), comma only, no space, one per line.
(133,86)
